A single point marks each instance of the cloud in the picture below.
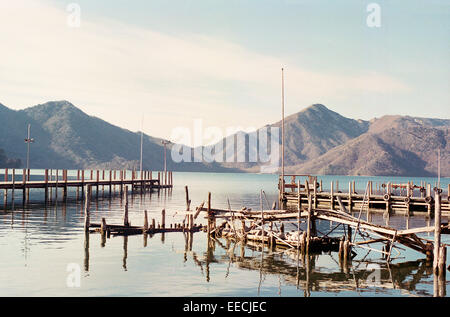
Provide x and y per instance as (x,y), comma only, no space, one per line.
(119,71)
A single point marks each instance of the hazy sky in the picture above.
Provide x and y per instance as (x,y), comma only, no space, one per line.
(174,61)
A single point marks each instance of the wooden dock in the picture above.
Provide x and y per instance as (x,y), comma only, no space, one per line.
(266,227)
(405,198)
(59,179)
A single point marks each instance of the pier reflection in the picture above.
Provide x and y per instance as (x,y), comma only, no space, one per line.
(303,272)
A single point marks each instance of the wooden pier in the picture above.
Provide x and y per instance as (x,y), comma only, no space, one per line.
(405,198)
(266,227)
(59,179)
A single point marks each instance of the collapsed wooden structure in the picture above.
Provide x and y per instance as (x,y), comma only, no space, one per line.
(267,227)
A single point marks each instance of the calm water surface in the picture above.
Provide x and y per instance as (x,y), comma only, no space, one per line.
(39,243)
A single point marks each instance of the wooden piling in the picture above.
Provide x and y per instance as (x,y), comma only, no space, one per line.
(308,224)
(349,196)
(331,196)
(315,192)
(103,227)
(163,219)
(125,218)
(5,192)
(145,220)
(437,231)
(86,208)
(209,214)
(188,201)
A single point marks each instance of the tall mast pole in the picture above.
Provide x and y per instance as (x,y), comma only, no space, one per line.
(165,164)
(28,147)
(439,169)
(142,138)
(282,131)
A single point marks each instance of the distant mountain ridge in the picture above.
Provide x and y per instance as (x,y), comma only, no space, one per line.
(66,137)
(321,141)
(317,141)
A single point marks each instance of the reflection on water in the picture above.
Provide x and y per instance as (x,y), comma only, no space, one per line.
(38,241)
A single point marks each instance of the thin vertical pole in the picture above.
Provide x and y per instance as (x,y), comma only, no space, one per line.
(439,169)
(142,139)
(282,130)
(28,147)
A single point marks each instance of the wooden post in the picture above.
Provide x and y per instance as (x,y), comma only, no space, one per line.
(87,201)
(121,183)
(97,181)
(308,225)
(441,261)
(437,231)
(321,187)
(349,196)
(103,227)
(24,181)
(163,219)
(315,192)
(125,218)
(110,182)
(5,197)
(429,195)
(65,184)
(346,250)
(188,201)
(46,185)
(13,184)
(145,221)
(331,196)
(153,223)
(208,211)
(56,186)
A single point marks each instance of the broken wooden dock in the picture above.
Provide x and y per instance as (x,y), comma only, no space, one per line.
(127,229)
(266,227)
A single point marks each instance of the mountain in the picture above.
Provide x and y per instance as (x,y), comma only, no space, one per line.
(66,137)
(321,141)
(315,130)
(317,141)
(393,145)
(308,134)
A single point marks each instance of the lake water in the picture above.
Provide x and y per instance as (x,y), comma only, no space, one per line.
(42,248)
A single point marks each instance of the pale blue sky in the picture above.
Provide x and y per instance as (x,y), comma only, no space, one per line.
(221,60)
